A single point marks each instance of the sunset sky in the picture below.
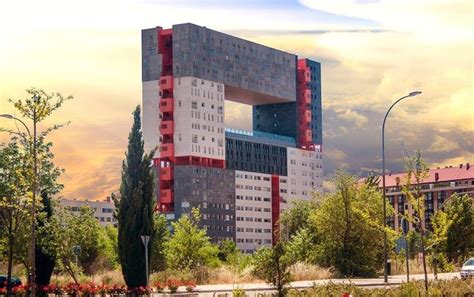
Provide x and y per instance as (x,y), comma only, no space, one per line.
(372,52)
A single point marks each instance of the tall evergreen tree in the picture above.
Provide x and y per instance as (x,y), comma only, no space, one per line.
(44,262)
(135,207)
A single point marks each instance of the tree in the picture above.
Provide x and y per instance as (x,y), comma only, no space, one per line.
(41,171)
(228,251)
(460,233)
(135,207)
(161,235)
(189,247)
(273,265)
(14,200)
(416,173)
(350,228)
(297,217)
(437,241)
(64,231)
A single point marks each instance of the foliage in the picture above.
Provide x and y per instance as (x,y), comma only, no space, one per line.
(134,210)
(437,242)
(416,173)
(44,262)
(158,258)
(460,233)
(301,246)
(273,265)
(189,247)
(228,251)
(14,198)
(66,230)
(297,217)
(107,247)
(350,228)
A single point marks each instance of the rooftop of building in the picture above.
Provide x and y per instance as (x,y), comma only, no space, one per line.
(261,137)
(437,175)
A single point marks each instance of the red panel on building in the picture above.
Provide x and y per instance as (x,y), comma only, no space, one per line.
(275,207)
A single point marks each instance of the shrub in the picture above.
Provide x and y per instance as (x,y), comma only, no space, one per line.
(173,285)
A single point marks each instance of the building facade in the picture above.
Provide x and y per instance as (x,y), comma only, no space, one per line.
(103,209)
(437,188)
(241,180)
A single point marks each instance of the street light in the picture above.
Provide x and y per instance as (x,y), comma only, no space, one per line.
(32,248)
(145,239)
(385,252)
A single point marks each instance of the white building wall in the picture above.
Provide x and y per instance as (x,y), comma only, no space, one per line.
(103,210)
(253,210)
(151,115)
(305,173)
(199,118)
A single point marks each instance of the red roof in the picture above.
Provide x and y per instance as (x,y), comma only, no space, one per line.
(461,172)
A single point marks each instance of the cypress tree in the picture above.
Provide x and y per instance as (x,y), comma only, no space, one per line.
(44,262)
(135,207)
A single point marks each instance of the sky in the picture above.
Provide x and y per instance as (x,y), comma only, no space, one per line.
(372,52)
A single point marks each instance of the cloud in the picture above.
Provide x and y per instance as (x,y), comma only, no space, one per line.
(442,144)
(352,116)
(427,16)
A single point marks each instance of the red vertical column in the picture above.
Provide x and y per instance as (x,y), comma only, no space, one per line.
(303,101)
(275,207)
(166,106)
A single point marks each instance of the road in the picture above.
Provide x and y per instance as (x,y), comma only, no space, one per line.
(256,288)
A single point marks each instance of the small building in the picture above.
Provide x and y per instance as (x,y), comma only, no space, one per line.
(103,209)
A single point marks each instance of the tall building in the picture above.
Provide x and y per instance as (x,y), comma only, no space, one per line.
(241,180)
(437,188)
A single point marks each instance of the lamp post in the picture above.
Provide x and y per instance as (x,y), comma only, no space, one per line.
(145,240)
(32,276)
(385,252)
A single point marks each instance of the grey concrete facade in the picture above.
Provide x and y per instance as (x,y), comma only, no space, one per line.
(212,190)
(151,60)
(239,64)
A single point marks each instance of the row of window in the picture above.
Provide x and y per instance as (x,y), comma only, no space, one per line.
(207,150)
(252,219)
(249,176)
(251,208)
(195,139)
(255,188)
(205,127)
(251,240)
(251,198)
(210,117)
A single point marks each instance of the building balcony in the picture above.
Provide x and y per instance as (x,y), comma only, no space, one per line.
(167,127)
(166,105)
(166,196)
(166,150)
(307,136)
(166,83)
(166,174)
(306,97)
(305,117)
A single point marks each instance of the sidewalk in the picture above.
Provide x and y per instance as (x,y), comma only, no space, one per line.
(254,289)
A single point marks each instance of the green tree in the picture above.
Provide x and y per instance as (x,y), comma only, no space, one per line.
(228,251)
(297,217)
(135,207)
(161,235)
(437,241)
(64,231)
(416,172)
(41,172)
(14,199)
(350,228)
(460,233)
(273,265)
(189,247)
(107,258)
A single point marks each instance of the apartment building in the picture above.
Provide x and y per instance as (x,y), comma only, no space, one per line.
(437,187)
(241,180)
(103,209)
